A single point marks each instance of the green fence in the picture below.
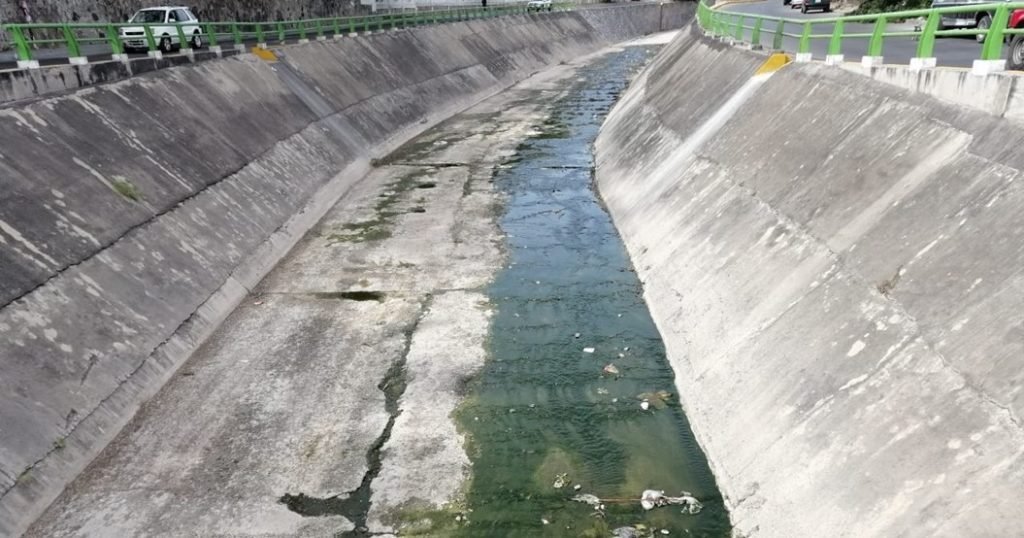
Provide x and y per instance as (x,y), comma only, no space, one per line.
(111,37)
(757,29)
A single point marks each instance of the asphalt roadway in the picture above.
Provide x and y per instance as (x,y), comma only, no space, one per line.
(950,51)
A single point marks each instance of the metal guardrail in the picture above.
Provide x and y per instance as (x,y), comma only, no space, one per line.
(750,28)
(73,36)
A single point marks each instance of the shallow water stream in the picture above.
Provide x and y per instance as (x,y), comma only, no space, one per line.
(569,305)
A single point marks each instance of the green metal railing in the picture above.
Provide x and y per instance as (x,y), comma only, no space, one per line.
(875,28)
(27,38)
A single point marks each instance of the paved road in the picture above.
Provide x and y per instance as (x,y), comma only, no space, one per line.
(950,51)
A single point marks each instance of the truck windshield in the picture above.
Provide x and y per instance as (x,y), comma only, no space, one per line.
(149,16)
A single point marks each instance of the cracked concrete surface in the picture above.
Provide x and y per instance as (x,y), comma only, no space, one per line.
(287,397)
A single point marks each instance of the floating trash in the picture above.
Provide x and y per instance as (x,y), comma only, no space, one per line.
(649,500)
(652,498)
(611,369)
(561,480)
(588,350)
(645,405)
(659,399)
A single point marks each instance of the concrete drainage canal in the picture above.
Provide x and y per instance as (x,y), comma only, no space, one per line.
(575,414)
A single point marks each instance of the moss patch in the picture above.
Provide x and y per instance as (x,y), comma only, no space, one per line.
(127,189)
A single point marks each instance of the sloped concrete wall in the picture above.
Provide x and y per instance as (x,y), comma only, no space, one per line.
(835,266)
(135,215)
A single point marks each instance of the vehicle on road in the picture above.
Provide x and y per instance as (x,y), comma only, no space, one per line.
(806,5)
(163,22)
(1015,56)
(981,20)
(785,3)
(538,5)
(793,4)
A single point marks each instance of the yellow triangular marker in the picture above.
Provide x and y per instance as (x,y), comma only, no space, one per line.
(773,63)
(265,54)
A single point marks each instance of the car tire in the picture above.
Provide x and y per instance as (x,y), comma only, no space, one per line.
(197,41)
(1015,56)
(984,23)
(165,44)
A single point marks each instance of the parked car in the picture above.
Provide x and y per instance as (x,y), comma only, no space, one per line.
(793,4)
(538,5)
(824,5)
(1015,55)
(980,19)
(134,37)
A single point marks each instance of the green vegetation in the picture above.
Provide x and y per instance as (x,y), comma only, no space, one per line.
(378,228)
(127,189)
(885,6)
(415,521)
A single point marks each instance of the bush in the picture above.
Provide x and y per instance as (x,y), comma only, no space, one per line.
(884,6)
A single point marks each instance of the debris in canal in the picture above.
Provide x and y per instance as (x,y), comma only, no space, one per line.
(649,500)
(561,480)
(588,350)
(611,369)
(653,498)
(659,399)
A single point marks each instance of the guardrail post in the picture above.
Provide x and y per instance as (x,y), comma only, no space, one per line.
(755,35)
(926,43)
(71,41)
(182,41)
(237,36)
(876,42)
(150,41)
(780,30)
(835,45)
(303,36)
(993,47)
(281,34)
(22,48)
(804,52)
(738,31)
(261,40)
(336,25)
(320,30)
(116,49)
(211,36)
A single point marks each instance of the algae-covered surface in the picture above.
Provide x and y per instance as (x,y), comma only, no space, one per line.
(546,411)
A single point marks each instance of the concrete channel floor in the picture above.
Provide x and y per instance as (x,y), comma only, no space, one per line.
(334,382)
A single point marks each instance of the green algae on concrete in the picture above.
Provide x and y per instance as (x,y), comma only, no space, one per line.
(544,412)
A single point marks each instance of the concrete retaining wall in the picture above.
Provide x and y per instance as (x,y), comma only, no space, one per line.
(135,215)
(835,266)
